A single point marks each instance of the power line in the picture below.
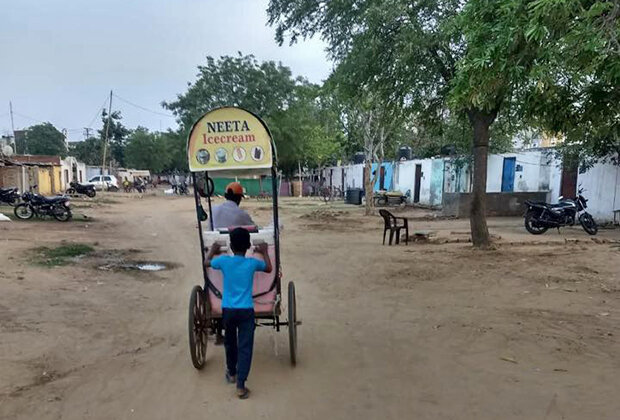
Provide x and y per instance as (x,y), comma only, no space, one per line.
(142,108)
(98,112)
(29,118)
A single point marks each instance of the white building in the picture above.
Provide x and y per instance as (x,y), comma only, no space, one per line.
(532,170)
(72,171)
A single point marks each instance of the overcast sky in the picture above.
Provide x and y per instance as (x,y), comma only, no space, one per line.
(60,58)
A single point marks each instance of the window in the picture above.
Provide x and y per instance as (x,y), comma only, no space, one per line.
(95,179)
(107,178)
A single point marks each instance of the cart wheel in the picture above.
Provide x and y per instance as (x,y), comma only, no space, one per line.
(292,322)
(198,327)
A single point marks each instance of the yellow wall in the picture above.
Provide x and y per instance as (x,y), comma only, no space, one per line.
(44,181)
(57,179)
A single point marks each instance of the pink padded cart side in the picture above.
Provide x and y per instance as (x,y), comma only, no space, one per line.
(263,305)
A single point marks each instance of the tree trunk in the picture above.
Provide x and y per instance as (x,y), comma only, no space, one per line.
(481,121)
(368,189)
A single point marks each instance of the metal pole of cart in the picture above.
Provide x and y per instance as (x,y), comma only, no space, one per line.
(202,244)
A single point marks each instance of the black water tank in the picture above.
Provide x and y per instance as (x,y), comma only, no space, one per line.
(448,150)
(404,153)
(354,196)
(358,158)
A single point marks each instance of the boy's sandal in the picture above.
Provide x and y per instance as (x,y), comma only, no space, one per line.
(243,393)
(231,379)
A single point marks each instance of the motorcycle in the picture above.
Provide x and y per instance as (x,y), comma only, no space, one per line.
(77,188)
(35,204)
(180,189)
(139,186)
(10,196)
(541,216)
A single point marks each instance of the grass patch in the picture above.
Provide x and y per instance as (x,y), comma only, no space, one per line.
(61,255)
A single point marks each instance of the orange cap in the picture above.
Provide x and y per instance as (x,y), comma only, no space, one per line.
(235,187)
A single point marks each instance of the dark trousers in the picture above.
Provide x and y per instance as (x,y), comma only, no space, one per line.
(238,341)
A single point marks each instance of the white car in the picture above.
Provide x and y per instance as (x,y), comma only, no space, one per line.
(104,182)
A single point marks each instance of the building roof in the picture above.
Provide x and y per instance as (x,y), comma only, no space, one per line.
(37,159)
(5,161)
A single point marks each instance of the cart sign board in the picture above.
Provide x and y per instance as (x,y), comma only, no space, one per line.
(227,139)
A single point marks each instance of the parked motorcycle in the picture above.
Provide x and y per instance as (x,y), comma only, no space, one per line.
(35,204)
(541,216)
(9,196)
(77,188)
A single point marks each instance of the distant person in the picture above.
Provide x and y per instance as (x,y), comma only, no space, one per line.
(237,304)
(228,214)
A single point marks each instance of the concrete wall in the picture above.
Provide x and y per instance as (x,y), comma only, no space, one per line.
(43,180)
(354,176)
(531,174)
(68,175)
(92,171)
(601,186)
(405,179)
(498,204)
(436,188)
(555,179)
(388,176)
(10,176)
(456,176)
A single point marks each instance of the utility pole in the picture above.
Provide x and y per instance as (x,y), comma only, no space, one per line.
(87,133)
(12,125)
(107,130)
(301,182)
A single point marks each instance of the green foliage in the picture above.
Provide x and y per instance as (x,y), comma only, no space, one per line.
(20,142)
(89,151)
(575,83)
(61,255)
(146,150)
(302,125)
(117,137)
(45,139)
(175,143)
(263,88)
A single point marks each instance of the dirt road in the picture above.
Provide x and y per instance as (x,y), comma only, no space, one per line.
(425,331)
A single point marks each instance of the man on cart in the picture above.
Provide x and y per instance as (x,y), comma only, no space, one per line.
(228,214)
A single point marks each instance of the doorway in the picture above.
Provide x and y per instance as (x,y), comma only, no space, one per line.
(418,182)
(508,174)
(568,186)
(382,178)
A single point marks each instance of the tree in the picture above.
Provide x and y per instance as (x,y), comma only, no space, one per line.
(308,131)
(88,151)
(117,137)
(472,59)
(242,81)
(45,139)
(576,93)
(375,122)
(267,89)
(146,150)
(397,47)
(176,145)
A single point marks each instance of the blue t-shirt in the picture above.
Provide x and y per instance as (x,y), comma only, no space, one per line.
(238,279)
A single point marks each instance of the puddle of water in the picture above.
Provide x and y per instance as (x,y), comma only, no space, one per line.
(150,266)
(143,266)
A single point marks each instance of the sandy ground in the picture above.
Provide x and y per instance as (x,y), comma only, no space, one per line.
(425,331)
